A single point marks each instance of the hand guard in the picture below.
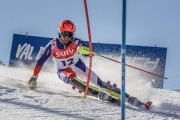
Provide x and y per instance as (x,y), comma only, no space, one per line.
(32,83)
(85,50)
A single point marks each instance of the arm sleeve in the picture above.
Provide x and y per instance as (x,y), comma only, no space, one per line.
(40,62)
(81,43)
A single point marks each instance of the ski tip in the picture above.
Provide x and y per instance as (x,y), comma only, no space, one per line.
(148,105)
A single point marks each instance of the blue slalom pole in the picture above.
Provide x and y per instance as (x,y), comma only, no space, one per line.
(123,59)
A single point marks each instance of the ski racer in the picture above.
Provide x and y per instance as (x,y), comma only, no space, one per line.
(64,51)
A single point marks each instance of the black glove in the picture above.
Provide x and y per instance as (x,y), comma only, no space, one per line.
(32,83)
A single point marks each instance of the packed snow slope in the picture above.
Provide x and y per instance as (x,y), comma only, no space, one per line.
(55,100)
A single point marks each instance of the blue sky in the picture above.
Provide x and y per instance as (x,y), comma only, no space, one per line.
(149,23)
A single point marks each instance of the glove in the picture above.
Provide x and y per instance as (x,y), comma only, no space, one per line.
(32,83)
(85,50)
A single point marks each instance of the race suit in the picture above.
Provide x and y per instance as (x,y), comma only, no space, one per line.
(66,59)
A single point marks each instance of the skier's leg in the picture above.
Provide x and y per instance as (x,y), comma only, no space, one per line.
(102,95)
(95,79)
(84,69)
(66,75)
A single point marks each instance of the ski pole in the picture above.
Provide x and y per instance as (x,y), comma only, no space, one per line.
(85,50)
(132,66)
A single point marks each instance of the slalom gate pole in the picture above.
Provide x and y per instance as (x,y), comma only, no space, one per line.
(123,59)
(133,67)
(90,46)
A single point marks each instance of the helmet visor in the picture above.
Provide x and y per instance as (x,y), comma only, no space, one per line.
(65,33)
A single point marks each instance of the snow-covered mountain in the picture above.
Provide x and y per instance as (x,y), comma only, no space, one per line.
(55,100)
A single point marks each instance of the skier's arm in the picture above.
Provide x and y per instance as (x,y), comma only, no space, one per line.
(44,56)
(32,83)
(81,43)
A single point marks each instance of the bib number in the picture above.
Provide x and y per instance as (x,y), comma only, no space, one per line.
(68,62)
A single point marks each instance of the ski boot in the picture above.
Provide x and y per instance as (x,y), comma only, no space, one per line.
(107,97)
(135,102)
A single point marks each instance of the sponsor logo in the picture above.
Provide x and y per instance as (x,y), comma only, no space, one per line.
(25,52)
(64,53)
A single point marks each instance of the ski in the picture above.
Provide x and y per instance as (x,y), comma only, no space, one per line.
(115,93)
(94,91)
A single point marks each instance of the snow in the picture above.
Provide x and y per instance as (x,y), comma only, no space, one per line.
(55,100)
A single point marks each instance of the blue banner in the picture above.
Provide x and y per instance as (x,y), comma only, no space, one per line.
(27,49)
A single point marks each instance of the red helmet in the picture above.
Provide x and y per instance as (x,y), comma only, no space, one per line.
(67,25)
(66,28)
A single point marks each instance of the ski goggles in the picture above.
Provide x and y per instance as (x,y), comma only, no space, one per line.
(68,34)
